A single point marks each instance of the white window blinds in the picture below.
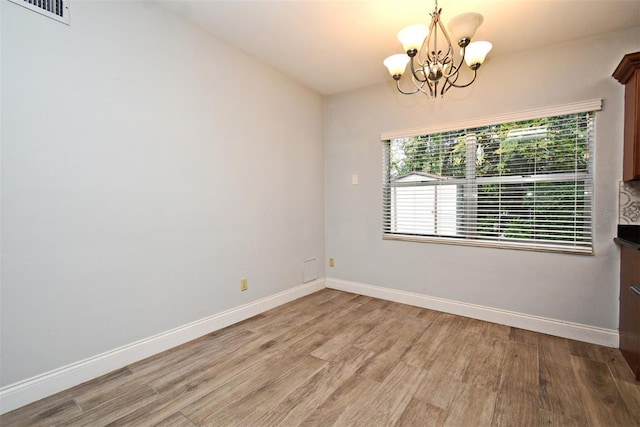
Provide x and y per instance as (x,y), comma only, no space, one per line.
(524,184)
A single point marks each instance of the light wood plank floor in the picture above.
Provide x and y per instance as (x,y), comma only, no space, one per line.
(335,358)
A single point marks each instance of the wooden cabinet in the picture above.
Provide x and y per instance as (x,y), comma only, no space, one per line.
(630,306)
(628,73)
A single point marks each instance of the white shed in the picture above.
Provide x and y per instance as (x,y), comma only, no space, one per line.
(423,208)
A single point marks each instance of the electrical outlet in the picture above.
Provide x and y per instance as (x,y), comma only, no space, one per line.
(331,262)
(244,285)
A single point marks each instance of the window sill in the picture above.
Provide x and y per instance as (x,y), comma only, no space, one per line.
(488,244)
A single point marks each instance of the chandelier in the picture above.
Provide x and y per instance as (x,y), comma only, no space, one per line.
(434,68)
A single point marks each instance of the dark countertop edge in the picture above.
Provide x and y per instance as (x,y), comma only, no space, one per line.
(624,242)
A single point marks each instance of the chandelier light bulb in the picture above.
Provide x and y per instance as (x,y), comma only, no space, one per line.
(396,64)
(412,37)
(476,53)
(463,27)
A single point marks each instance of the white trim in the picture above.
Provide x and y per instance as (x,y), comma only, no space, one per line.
(24,392)
(30,390)
(560,328)
(576,107)
(496,244)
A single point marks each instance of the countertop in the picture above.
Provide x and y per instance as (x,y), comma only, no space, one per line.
(628,235)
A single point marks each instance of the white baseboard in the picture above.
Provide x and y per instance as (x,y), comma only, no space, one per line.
(560,328)
(24,392)
(16,395)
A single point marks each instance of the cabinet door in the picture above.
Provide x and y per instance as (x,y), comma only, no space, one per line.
(630,308)
(631,159)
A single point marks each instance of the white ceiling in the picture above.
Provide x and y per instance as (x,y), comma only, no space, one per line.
(339,45)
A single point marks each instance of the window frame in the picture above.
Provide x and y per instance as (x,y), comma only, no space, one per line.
(576,177)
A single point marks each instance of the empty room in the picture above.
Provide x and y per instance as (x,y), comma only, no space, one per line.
(315,212)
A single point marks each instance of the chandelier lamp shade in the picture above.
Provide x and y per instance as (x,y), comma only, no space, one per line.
(434,65)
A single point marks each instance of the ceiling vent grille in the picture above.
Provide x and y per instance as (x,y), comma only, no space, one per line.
(55,9)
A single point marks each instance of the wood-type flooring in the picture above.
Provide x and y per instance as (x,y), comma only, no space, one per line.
(335,358)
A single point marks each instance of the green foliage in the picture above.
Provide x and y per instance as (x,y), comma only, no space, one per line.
(529,211)
(525,148)
(440,154)
(531,148)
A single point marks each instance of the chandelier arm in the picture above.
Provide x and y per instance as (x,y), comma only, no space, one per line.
(419,85)
(426,45)
(475,74)
(414,74)
(455,70)
(446,36)
(431,92)
(427,94)
(418,89)
(449,83)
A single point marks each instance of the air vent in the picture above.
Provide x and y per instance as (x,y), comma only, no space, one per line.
(54,9)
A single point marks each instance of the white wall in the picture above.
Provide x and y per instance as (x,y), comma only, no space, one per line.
(573,288)
(146,168)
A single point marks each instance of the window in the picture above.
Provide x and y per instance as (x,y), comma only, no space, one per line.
(524,184)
